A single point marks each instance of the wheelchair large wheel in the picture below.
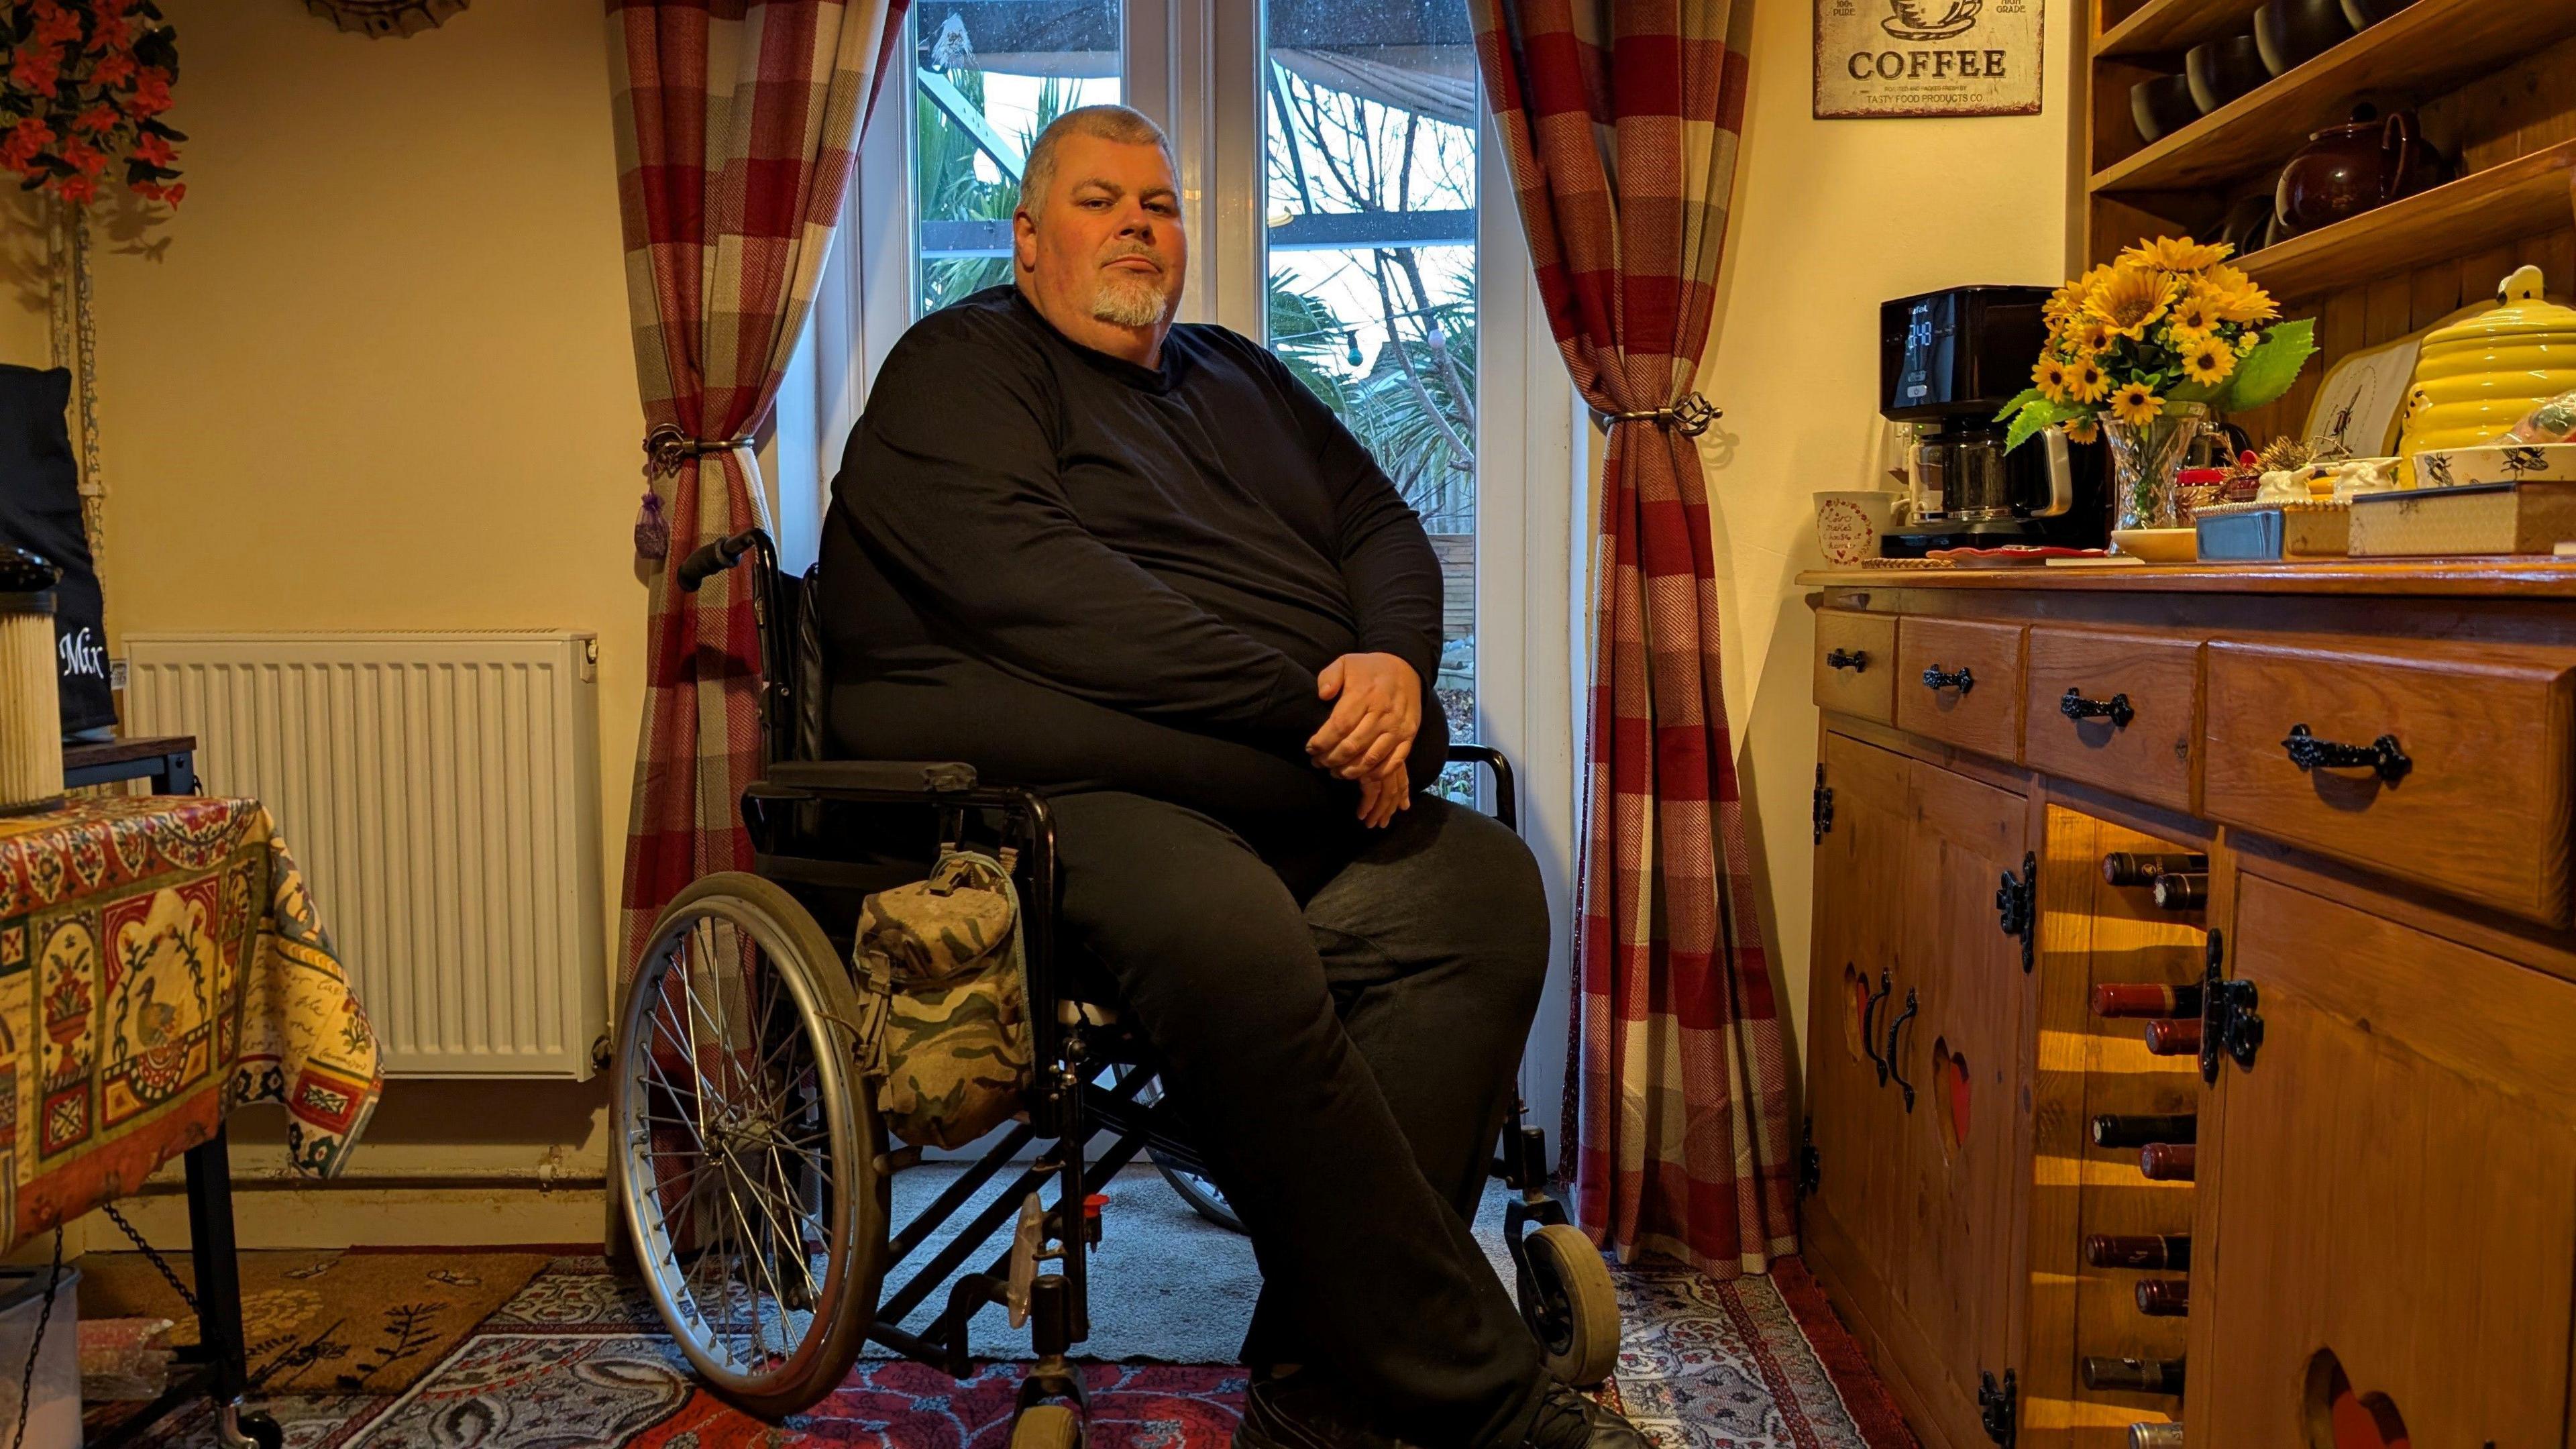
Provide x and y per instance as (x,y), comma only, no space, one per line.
(748,1150)
(1570,1303)
(1200,1192)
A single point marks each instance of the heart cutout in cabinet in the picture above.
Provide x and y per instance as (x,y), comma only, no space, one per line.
(1950,1075)
(2340,1418)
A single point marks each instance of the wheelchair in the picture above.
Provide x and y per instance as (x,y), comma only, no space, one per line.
(752,1169)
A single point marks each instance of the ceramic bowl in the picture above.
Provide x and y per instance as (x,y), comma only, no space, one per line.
(2162,106)
(2222,70)
(2516,463)
(2366,13)
(2290,33)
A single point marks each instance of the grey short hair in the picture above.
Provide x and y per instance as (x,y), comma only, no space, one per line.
(1108,123)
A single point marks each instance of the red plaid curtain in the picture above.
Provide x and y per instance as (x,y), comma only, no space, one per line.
(1620,121)
(736,120)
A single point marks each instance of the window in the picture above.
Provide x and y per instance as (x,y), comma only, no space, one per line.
(1370,224)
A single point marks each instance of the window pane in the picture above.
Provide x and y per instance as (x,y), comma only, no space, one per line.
(989,75)
(1371,119)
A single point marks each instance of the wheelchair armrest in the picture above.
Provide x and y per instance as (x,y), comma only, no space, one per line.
(1506,794)
(918,777)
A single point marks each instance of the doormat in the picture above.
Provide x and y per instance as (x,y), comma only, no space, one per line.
(327,1321)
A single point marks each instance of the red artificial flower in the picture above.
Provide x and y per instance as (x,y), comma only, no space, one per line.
(151,92)
(84,157)
(54,23)
(155,149)
(111,16)
(39,68)
(97,120)
(25,139)
(176,192)
(113,69)
(80,190)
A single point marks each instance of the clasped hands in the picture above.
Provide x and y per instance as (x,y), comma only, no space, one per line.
(1377,708)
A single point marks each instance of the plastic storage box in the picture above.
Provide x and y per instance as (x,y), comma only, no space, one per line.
(54,1417)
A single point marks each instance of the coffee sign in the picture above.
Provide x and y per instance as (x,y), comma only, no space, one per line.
(1927,58)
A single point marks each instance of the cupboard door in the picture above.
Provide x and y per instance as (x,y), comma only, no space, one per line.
(2395,1206)
(1968,1054)
(1850,1219)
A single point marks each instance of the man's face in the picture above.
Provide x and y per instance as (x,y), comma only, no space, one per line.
(1105,243)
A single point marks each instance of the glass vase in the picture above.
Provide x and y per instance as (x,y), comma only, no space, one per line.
(2144,461)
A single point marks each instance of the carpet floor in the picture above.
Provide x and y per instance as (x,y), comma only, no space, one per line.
(576,1359)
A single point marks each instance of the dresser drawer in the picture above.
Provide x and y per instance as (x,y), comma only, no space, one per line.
(1856,664)
(2444,764)
(1959,680)
(2114,708)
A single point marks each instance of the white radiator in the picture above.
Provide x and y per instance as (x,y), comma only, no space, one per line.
(442,794)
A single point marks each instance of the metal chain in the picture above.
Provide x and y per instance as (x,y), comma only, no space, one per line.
(27,1379)
(154,1254)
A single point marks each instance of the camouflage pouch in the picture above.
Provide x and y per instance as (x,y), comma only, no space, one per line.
(943,1001)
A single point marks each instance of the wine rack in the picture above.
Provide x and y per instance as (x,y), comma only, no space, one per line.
(2121,940)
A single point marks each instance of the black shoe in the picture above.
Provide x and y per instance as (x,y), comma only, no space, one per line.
(1304,1410)
(1568,1420)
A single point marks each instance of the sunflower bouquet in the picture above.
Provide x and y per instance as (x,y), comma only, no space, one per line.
(2166,323)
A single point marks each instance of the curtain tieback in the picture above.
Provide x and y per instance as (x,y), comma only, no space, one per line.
(668,445)
(1690,417)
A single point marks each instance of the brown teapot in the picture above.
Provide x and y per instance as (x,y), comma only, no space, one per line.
(2346,170)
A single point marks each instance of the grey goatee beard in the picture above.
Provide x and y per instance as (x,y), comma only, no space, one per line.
(1128,301)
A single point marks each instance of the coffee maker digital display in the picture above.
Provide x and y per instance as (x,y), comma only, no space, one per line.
(1948,362)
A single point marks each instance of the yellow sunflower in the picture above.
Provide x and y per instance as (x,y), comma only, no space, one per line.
(2088,336)
(2237,299)
(2133,300)
(2134,404)
(2184,255)
(2068,301)
(2086,381)
(2195,316)
(2082,430)
(2049,376)
(2208,360)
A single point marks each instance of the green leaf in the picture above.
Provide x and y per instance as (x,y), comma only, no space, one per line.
(2021,400)
(2267,372)
(2036,416)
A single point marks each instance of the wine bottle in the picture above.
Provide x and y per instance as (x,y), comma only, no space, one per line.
(2182,891)
(2164,1297)
(2155,1436)
(2126,868)
(2179,1037)
(2145,998)
(2168,1161)
(2117,1129)
(2134,1375)
(2168,1251)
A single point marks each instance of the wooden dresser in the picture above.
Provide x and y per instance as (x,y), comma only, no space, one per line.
(2375,760)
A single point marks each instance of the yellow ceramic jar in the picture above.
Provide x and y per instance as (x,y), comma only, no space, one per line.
(2475,379)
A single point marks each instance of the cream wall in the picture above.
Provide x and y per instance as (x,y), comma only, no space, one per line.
(1831,218)
(375,374)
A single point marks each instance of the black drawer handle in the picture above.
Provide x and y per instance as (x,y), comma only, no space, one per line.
(1893,1028)
(1938,678)
(2116,709)
(1855,660)
(2381,756)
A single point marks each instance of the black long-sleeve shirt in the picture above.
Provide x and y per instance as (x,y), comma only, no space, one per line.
(1075,572)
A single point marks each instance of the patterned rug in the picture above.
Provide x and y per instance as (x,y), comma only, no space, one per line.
(575,1360)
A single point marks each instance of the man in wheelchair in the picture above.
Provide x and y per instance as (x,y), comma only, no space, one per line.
(1141,567)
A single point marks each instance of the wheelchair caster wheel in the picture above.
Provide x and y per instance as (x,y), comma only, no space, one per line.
(255,1428)
(1047,1426)
(1569,1302)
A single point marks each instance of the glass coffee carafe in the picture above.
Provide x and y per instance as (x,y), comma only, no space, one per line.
(1960,474)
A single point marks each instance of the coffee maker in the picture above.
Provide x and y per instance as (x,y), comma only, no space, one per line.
(1947,362)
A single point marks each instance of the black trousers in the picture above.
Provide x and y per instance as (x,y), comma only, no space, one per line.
(1341,1043)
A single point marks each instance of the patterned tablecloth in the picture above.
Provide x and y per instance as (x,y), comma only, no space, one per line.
(161,964)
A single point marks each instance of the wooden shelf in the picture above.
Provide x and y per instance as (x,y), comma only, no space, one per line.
(2463,578)
(2523,197)
(2430,46)
(2163,27)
